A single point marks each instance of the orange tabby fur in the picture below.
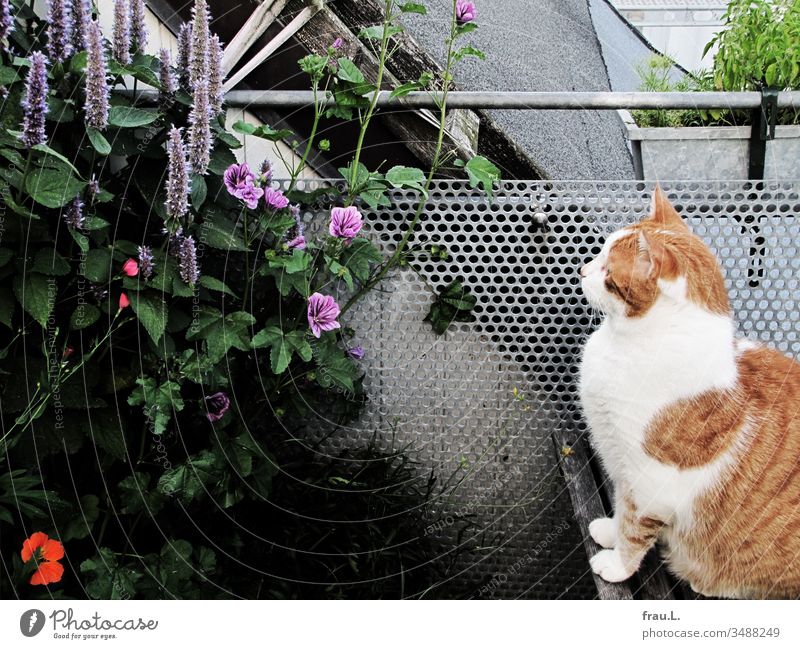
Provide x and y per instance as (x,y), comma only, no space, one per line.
(744,540)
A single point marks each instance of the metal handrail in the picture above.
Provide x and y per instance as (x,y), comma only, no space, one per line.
(530,100)
(517,100)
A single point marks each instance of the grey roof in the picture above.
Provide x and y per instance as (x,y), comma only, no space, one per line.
(623,47)
(540,45)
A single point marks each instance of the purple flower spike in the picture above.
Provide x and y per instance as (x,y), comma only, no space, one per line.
(138,26)
(198,53)
(122,32)
(6,20)
(177,202)
(34,104)
(217,405)
(59,30)
(216,95)
(96,79)
(296,235)
(275,199)
(346,222)
(200,142)
(81,17)
(73,215)
(356,352)
(187,258)
(465,12)
(145,261)
(184,48)
(168,85)
(266,171)
(322,314)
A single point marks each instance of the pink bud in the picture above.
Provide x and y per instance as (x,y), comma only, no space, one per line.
(130,268)
(124,302)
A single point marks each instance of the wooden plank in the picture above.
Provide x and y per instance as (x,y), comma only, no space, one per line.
(573,458)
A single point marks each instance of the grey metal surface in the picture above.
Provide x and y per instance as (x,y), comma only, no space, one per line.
(540,45)
(453,398)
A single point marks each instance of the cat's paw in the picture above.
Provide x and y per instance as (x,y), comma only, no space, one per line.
(604,532)
(608,564)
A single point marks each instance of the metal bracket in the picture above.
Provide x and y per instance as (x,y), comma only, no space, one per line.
(762,130)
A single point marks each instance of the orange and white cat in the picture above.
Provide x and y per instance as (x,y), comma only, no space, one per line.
(698,430)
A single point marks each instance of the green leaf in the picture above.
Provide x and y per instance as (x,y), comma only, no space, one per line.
(199,191)
(482,172)
(84,316)
(469,50)
(136,495)
(375,33)
(213,284)
(98,140)
(97,265)
(265,132)
(358,256)
(80,526)
(37,294)
(334,367)
(6,255)
(401,177)
(453,304)
(189,480)
(7,307)
(53,187)
(52,153)
(349,72)
(220,334)
(220,232)
(152,313)
(413,8)
(130,117)
(50,262)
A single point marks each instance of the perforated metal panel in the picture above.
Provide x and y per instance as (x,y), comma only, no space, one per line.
(453,397)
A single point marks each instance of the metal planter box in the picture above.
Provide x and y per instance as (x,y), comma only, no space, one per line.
(710,153)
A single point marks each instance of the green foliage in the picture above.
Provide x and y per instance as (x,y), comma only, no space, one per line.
(453,304)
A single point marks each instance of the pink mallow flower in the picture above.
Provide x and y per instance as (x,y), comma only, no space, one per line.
(275,199)
(346,222)
(465,12)
(130,268)
(322,314)
(240,182)
(217,405)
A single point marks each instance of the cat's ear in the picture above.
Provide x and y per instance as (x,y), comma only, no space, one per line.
(662,211)
(652,255)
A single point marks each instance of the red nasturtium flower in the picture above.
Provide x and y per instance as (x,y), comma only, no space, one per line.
(45,552)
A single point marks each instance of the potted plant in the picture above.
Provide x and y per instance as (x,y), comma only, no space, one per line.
(759,48)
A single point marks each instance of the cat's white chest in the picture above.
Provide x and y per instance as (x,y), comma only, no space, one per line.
(627,377)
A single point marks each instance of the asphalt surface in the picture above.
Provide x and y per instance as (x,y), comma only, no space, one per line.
(546,45)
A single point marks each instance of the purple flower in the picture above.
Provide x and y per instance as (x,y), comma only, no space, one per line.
(34,103)
(216,95)
(275,199)
(6,20)
(250,195)
(356,352)
(145,261)
(198,53)
(165,73)
(138,26)
(97,92)
(81,17)
(346,222)
(73,215)
(266,171)
(200,131)
(337,44)
(187,260)
(236,177)
(93,186)
(177,202)
(122,32)
(59,30)
(184,48)
(322,314)
(296,234)
(217,405)
(465,12)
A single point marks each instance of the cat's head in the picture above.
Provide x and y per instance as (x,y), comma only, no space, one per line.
(656,259)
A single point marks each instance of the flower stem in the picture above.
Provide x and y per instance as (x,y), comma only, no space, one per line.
(374,103)
(399,251)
